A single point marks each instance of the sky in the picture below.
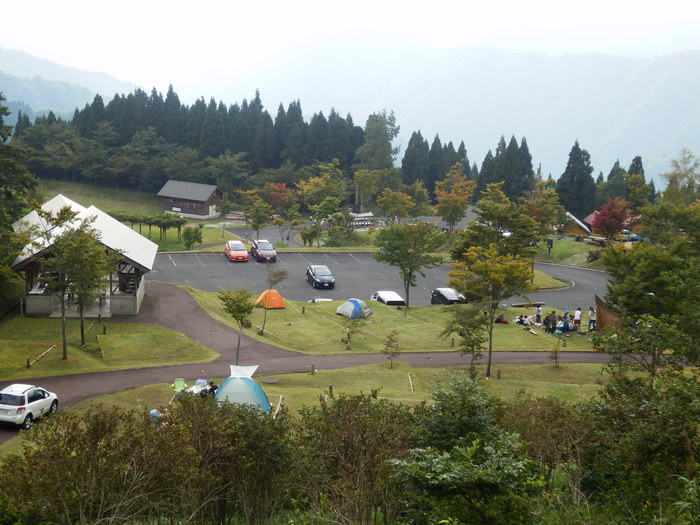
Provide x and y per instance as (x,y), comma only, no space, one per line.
(154,43)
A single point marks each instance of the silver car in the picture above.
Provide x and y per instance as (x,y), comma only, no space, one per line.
(22,404)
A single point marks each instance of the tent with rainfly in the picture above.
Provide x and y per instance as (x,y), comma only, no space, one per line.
(354,308)
(270,299)
(242,389)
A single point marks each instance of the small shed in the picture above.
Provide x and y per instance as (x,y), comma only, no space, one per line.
(191,199)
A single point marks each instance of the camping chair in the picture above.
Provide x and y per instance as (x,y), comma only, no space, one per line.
(178,386)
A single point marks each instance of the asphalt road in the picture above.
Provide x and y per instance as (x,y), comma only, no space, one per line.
(357,275)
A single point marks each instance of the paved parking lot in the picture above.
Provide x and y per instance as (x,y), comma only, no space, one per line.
(356,275)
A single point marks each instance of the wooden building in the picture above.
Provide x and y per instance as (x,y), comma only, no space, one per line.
(123,289)
(190,199)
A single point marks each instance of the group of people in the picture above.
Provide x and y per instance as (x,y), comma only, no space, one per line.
(568,322)
(553,323)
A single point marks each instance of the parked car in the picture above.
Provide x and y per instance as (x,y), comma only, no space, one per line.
(262,250)
(236,251)
(388,297)
(21,404)
(320,276)
(446,296)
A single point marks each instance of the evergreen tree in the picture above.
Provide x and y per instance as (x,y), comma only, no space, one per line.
(576,187)
(414,166)
(173,129)
(281,128)
(510,167)
(486,175)
(155,111)
(527,173)
(194,123)
(294,149)
(262,154)
(317,139)
(616,184)
(636,167)
(212,142)
(339,140)
(436,163)
(241,133)
(22,124)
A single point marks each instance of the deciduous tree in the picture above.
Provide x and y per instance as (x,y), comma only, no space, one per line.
(486,278)
(410,248)
(396,204)
(612,218)
(238,303)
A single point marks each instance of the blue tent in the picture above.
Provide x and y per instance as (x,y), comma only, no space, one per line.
(353,308)
(244,391)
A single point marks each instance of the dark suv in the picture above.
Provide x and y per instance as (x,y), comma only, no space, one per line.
(446,296)
(320,276)
(262,250)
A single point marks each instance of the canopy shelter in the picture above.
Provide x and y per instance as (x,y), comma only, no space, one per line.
(270,299)
(240,388)
(124,289)
(354,308)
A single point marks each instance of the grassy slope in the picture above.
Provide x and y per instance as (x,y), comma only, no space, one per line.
(319,329)
(121,348)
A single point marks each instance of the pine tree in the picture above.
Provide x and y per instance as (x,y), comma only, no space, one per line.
(576,187)
(414,165)
(262,154)
(212,142)
(194,123)
(436,163)
(317,139)
(636,167)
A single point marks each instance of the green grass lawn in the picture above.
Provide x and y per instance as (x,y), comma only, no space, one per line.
(105,198)
(569,251)
(315,328)
(568,382)
(121,347)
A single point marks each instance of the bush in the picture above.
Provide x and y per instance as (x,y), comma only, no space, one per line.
(594,255)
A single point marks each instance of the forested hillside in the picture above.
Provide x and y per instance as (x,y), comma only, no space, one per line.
(139,141)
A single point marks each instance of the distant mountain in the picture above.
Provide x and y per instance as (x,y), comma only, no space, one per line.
(35,85)
(616,107)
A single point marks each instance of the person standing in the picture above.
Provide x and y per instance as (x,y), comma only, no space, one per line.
(577,319)
(538,314)
(591,319)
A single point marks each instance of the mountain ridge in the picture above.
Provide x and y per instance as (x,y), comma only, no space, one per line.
(616,107)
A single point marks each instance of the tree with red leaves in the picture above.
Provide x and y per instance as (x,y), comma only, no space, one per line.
(612,218)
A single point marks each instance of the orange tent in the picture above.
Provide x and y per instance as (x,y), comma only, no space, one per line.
(270,299)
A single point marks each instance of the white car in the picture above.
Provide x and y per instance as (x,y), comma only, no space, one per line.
(22,404)
(388,297)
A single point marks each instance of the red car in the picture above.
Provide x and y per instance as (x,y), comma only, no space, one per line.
(262,251)
(236,251)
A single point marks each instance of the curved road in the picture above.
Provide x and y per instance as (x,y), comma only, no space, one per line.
(170,306)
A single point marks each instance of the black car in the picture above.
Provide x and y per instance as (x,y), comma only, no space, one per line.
(262,250)
(320,276)
(446,296)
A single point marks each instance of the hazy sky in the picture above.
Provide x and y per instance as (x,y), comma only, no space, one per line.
(156,43)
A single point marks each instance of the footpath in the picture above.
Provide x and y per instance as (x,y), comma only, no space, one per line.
(172,307)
